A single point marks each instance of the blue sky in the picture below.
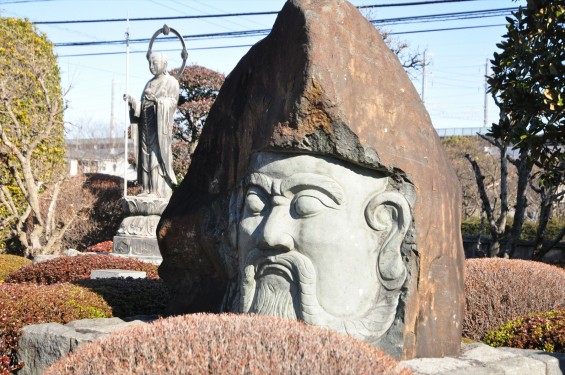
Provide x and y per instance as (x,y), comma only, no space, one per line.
(454,80)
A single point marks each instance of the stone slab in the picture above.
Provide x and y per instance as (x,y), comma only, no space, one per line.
(481,359)
(136,246)
(106,274)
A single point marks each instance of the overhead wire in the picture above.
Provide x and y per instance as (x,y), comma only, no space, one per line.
(249,45)
(236,14)
(382,22)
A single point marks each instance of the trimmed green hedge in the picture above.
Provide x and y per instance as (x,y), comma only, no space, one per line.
(471,227)
(545,331)
(11,263)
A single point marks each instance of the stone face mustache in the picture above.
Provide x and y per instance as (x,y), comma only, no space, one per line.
(295,267)
(300,272)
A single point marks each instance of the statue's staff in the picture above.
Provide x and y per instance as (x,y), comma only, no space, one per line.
(126,163)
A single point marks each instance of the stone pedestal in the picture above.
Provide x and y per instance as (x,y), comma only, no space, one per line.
(136,237)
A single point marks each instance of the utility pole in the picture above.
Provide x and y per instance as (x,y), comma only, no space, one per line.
(423,77)
(485,115)
(112,112)
(126,112)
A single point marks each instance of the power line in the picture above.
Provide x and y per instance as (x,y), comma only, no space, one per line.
(447,16)
(261,32)
(234,14)
(250,45)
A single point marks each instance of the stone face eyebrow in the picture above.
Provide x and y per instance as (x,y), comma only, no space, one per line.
(296,183)
(261,180)
(304,181)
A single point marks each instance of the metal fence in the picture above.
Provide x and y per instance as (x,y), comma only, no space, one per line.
(462,132)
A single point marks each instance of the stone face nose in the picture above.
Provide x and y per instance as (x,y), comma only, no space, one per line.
(274,231)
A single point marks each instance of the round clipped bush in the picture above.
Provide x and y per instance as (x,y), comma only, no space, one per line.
(227,344)
(129,297)
(23,304)
(544,331)
(498,290)
(11,263)
(69,269)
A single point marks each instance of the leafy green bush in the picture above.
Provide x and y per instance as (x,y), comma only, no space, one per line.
(227,344)
(471,226)
(11,263)
(69,269)
(498,290)
(23,304)
(129,297)
(544,331)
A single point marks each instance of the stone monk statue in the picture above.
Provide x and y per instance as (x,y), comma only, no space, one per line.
(154,116)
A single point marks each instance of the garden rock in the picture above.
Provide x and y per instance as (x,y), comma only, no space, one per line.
(42,344)
(481,359)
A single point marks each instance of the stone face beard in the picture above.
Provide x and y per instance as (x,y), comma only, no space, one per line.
(284,285)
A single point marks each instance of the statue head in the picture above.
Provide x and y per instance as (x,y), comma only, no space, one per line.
(320,240)
(157,63)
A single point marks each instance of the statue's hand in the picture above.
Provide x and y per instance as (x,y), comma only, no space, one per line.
(128,99)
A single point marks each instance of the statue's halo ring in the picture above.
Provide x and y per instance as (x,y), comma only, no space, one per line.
(165,30)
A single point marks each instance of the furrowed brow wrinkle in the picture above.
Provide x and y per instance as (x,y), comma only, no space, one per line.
(323,184)
(260,180)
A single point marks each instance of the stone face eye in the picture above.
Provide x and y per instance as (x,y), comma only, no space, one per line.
(254,203)
(307,205)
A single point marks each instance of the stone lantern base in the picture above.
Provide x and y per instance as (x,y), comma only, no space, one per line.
(136,237)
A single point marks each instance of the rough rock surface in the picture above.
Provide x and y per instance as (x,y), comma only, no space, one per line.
(42,344)
(479,359)
(324,83)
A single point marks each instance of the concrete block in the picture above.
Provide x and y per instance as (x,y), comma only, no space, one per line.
(106,274)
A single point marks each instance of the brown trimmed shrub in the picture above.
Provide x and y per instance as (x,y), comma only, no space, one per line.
(69,269)
(11,263)
(129,297)
(23,304)
(499,290)
(540,331)
(227,344)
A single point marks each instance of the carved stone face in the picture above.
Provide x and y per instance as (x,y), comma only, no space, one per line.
(157,63)
(319,240)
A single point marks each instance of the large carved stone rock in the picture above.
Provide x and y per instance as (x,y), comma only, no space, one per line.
(322,94)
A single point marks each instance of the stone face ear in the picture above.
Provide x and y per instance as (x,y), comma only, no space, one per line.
(390,213)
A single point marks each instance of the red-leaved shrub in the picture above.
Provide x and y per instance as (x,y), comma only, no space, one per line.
(227,344)
(101,247)
(498,290)
(11,263)
(23,304)
(10,332)
(68,269)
